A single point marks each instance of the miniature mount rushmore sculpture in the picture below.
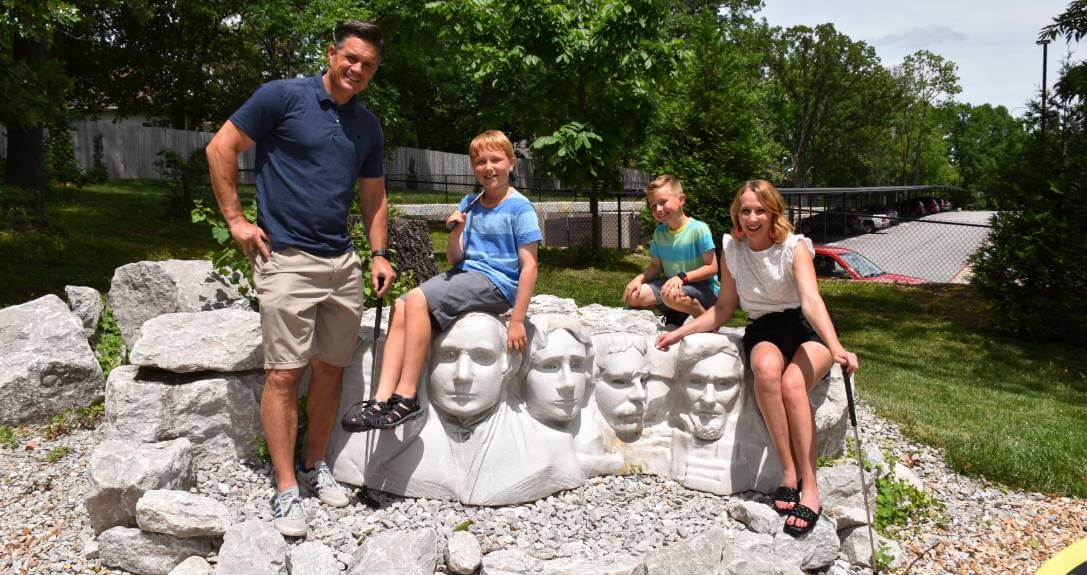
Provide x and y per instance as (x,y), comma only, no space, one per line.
(504,427)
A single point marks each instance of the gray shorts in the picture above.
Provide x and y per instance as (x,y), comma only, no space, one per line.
(458,291)
(700,291)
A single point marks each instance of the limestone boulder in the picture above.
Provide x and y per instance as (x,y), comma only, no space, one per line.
(831,413)
(544,303)
(702,553)
(253,547)
(46,364)
(181,514)
(509,562)
(814,550)
(312,558)
(224,340)
(857,548)
(575,566)
(143,290)
(144,553)
(218,412)
(602,319)
(86,303)
(397,553)
(193,566)
(840,490)
(758,517)
(463,555)
(760,565)
(121,471)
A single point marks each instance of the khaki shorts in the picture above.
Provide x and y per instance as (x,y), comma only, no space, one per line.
(310,306)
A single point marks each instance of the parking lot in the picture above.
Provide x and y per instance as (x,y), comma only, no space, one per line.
(933,248)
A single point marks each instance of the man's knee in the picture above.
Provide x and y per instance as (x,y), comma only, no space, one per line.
(282,381)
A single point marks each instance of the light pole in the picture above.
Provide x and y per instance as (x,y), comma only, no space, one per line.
(1045,53)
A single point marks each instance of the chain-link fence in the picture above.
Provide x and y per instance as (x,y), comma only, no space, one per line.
(892,233)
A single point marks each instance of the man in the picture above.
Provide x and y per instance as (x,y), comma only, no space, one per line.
(313,143)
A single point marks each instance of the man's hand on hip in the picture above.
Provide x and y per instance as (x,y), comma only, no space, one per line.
(382,276)
(250,237)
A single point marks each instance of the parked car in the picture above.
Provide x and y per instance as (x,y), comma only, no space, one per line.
(829,223)
(870,219)
(844,263)
(911,208)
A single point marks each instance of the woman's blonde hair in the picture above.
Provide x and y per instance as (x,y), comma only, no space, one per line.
(490,140)
(770,199)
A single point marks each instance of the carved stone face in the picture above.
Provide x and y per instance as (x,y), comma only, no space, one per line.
(556,379)
(711,389)
(467,367)
(620,394)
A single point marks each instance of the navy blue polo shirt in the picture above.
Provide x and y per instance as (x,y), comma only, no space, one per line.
(310,153)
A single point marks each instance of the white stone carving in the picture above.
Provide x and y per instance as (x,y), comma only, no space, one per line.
(503,427)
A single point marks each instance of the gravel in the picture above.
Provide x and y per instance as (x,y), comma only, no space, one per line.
(982,528)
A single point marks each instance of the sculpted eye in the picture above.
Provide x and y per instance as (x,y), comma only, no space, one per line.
(619,383)
(484,358)
(577,365)
(447,355)
(548,366)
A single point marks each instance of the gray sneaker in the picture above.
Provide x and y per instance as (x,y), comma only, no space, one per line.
(319,480)
(290,517)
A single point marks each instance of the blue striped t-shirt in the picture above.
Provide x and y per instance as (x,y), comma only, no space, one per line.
(681,250)
(492,236)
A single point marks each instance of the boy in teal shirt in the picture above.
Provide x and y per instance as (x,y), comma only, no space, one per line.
(681,279)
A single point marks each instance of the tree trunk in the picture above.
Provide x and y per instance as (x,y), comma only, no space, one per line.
(594,209)
(26,158)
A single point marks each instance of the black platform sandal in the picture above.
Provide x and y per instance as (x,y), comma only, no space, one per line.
(398,410)
(362,415)
(786,495)
(803,513)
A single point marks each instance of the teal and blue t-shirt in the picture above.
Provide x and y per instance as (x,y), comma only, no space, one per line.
(492,236)
(681,250)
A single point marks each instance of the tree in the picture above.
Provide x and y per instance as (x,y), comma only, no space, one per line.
(577,76)
(927,80)
(824,93)
(983,141)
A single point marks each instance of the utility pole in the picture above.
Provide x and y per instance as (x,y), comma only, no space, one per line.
(1045,96)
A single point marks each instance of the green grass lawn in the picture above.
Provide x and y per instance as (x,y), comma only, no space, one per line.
(1007,408)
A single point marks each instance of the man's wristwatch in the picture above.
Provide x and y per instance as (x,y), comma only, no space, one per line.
(380,253)
(683,277)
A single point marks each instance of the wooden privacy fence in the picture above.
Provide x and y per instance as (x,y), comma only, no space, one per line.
(129,151)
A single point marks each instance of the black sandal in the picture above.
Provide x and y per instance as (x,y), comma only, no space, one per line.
(803,513)
(362,415)
(786,495)
(398,410)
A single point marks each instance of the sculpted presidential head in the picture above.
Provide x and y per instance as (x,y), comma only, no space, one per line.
(618,388)
(557,368)
(469,365)
(709,383)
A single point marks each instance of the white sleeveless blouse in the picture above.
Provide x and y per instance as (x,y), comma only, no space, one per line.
(764,280)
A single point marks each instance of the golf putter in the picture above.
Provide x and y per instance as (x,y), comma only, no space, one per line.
(449,226)
(364,493)
(860,464)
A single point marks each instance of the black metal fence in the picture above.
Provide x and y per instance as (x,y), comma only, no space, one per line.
(890,233)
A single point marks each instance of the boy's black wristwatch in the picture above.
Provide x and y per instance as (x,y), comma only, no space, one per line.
(683,277)
(380,253)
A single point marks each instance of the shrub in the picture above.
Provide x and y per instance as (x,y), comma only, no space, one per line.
(187,179)
(110,351)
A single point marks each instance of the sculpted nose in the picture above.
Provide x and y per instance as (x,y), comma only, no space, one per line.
(464,368)
(707,395)
(637,390)
(566,379)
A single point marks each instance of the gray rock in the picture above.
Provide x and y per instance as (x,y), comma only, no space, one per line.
(831,413)
(758,517)
(412,249)
(813,550)
(839,486)
(761,565)
(509,562)
(253,547)
(874,458)
(602,319)
(463,555)
(218,340)
(907,476)
(148,553)
(46,364)
(218,413)
(86,303)
(749,542)
(569,566)
(312,558)
(193,566)
(121,471)
(397,553)
(143,290)
(858,549)
(703,553)
(181,514)
(544,303)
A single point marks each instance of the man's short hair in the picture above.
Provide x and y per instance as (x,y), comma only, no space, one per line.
(664,181)
(366,31)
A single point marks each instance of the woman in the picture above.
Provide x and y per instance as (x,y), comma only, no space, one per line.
(790,342)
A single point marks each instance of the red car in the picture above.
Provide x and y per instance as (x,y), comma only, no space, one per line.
(844,263)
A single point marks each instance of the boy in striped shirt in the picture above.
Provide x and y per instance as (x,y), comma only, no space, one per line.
(681,279)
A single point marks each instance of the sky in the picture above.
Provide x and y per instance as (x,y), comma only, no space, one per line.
(991,41)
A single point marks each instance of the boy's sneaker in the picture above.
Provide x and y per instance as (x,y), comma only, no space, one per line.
(319,480)
(290,517)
